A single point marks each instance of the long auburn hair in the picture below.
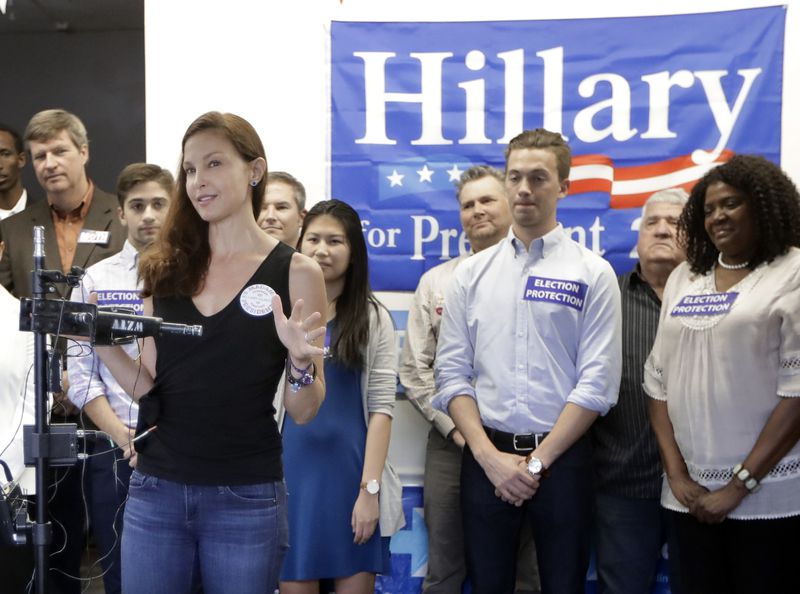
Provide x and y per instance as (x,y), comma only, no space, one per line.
(351,325)
(176,264)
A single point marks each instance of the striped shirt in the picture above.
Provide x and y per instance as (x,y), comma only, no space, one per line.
(626,457)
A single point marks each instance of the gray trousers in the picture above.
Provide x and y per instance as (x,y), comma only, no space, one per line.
(442,499)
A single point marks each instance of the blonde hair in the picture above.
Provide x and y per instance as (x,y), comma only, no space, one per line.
(48,123)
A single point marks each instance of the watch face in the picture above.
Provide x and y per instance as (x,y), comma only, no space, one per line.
(373,487)
(534,466)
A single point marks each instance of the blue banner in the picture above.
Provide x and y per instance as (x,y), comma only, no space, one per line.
(646,103)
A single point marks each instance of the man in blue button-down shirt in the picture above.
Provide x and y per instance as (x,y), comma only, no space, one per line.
(528,357)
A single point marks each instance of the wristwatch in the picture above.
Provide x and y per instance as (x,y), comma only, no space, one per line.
(372,487)
(750,482)
(535,466)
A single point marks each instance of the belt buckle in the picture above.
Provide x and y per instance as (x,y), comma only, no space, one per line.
(526,449)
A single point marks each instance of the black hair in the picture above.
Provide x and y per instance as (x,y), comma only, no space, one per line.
(773,201)
(351,326)
(18,146)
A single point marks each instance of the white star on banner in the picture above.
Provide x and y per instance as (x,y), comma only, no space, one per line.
(454,173)
(425,174)
(395,179)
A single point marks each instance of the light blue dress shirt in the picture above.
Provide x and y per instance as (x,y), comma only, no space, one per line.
(117,282)
(526,331)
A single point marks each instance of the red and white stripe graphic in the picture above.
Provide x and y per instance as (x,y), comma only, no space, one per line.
(631,186)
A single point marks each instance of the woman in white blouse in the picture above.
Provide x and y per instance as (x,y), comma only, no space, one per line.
(724,377)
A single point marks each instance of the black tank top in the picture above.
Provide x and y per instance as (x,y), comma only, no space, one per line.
(213,397)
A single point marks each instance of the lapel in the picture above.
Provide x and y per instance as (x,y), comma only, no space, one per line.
(40,215)
(99,218)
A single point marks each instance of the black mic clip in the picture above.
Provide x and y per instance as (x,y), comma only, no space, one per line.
(72,279)
(104,325)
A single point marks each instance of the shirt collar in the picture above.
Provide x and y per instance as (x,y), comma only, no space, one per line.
(129,256)
(636,276)
(541,246)
(80,211)
(18,207)
(638,282)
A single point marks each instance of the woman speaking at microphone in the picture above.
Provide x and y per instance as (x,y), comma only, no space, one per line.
(724,377)
(208,493)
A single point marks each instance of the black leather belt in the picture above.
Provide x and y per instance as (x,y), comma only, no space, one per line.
(515,442)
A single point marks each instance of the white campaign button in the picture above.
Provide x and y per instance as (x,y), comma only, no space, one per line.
(257,300)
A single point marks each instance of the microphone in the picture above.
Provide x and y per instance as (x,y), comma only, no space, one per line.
(119,325)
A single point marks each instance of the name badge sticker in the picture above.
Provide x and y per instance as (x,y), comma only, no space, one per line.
(554,290)
(256,300)
(93,236)
(711,304)
(121,298)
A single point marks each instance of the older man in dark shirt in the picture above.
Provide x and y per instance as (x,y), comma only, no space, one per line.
(628,527)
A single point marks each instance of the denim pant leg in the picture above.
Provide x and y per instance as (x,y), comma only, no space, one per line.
(158,543)
(108,474)
(446,566)
(561,517)
(491,531)
(628,539)
(243,534)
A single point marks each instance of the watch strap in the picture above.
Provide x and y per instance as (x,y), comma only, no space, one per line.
(750,482)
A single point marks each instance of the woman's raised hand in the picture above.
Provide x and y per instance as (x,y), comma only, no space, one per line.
(300,336)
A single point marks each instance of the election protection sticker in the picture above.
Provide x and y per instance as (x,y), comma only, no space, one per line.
(554,290)
(256,300)
(710,304)
(130,298)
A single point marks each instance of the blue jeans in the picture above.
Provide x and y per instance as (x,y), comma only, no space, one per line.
(629,534)
(236,536)
(107,474)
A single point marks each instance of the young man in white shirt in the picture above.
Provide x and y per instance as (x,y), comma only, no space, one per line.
(485,218)
(528,357)
(144,193)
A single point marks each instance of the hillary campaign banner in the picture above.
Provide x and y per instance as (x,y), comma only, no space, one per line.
(646,103)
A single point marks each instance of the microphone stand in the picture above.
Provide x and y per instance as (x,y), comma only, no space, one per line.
(41,533)
(47,446)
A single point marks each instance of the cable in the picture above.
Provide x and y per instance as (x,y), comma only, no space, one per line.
(7,470)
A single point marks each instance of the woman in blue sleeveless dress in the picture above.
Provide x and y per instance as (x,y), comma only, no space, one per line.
(336,472)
